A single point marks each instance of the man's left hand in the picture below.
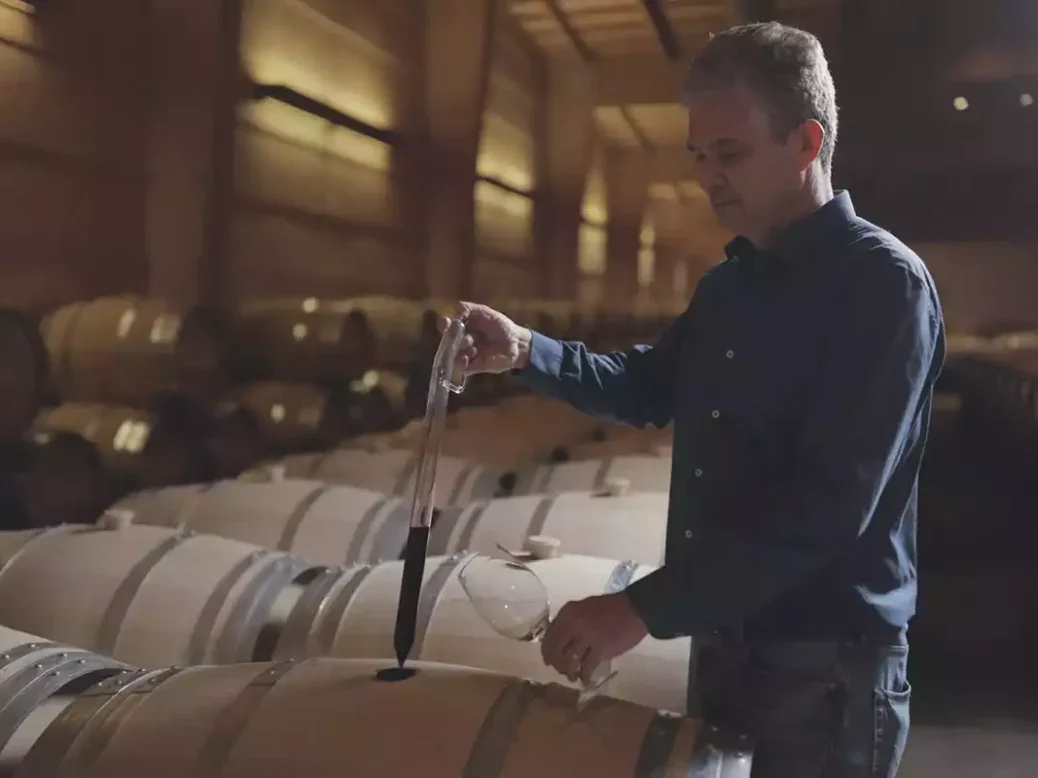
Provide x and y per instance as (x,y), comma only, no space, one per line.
(588,632)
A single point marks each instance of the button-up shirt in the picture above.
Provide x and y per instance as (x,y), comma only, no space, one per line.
(799,381)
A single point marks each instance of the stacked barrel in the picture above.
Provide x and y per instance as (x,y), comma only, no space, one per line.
(998,381)
(135,381)
(976,541)
(207,617)
(229,599)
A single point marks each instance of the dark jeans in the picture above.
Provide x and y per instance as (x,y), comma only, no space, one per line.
(811,709)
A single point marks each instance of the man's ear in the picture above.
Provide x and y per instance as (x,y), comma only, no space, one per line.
(809,138)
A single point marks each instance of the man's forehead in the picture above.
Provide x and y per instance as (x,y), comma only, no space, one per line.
(725,113)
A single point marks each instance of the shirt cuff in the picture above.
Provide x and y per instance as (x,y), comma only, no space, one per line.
(653,599)
(545,365)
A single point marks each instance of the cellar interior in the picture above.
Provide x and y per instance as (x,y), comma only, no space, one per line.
(230,232)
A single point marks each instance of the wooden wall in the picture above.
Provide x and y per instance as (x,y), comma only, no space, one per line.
(73,102)
(592,239)
(504,219)
(315,208)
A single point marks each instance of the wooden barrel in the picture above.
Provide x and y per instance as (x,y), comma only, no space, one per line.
(139,449)
(144,595)
(300,340)
(51,478)
(25,377)
(623,445)
(327,524)
(356,719)
(603,449)
(351,613)
(639,473)
(458,481)
(612,527)
(38,679)
(346,525)
(405,330)
(233,440)
(293,417)
(130,349)
(517,431)
(380,400)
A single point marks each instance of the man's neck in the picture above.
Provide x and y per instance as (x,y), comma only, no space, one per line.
(816,192)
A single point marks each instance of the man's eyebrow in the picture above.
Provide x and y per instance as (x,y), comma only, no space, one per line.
(721,144)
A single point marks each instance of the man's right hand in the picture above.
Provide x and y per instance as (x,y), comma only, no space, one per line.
(493,343)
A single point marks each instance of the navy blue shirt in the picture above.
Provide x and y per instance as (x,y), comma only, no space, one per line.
(799,381)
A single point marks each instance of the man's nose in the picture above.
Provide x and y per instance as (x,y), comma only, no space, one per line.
(711,176)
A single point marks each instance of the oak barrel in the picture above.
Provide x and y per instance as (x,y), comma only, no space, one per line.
(379,400)
(293,417)
(51,478)
(405,330)
(300,340)
(639,472)
(144,595)
(233,440)
(25,377)
(139,448)
(458,481)
(324,523)
(334,717)
(351,613)
(130,349)
(515,431)
(617,440)
(626,526)
(38,679)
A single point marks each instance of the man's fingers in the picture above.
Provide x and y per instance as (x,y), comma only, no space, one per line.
(592,659)
(574,657)
(558,635)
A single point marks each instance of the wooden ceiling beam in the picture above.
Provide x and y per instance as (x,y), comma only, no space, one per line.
(639,78)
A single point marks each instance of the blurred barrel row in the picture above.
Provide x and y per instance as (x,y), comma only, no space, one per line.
(191,600)
(997,380)
(108,396)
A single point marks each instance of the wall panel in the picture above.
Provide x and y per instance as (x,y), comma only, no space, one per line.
(72,133)
(504,219)
(316,205)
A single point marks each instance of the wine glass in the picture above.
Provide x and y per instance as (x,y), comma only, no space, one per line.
(509,596)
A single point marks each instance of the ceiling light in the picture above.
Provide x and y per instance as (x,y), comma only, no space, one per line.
(1026,100)
(961,103)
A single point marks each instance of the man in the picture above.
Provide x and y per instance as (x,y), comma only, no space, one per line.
(799,381)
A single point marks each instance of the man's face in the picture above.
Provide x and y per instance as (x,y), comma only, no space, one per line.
(748,174)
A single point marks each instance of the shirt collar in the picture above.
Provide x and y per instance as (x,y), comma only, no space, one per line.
(800,238)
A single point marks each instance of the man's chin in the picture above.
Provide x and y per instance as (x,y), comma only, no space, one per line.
(727,216)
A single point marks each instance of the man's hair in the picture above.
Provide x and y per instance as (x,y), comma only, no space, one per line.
(784,66)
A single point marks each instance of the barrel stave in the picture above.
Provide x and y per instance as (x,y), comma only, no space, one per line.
(335,717)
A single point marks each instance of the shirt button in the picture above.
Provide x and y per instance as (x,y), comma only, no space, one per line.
(729,354)
(688,534)
(699,472)
(715,414)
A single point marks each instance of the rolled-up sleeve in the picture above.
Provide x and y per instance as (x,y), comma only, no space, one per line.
(875,373)
(634,387)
